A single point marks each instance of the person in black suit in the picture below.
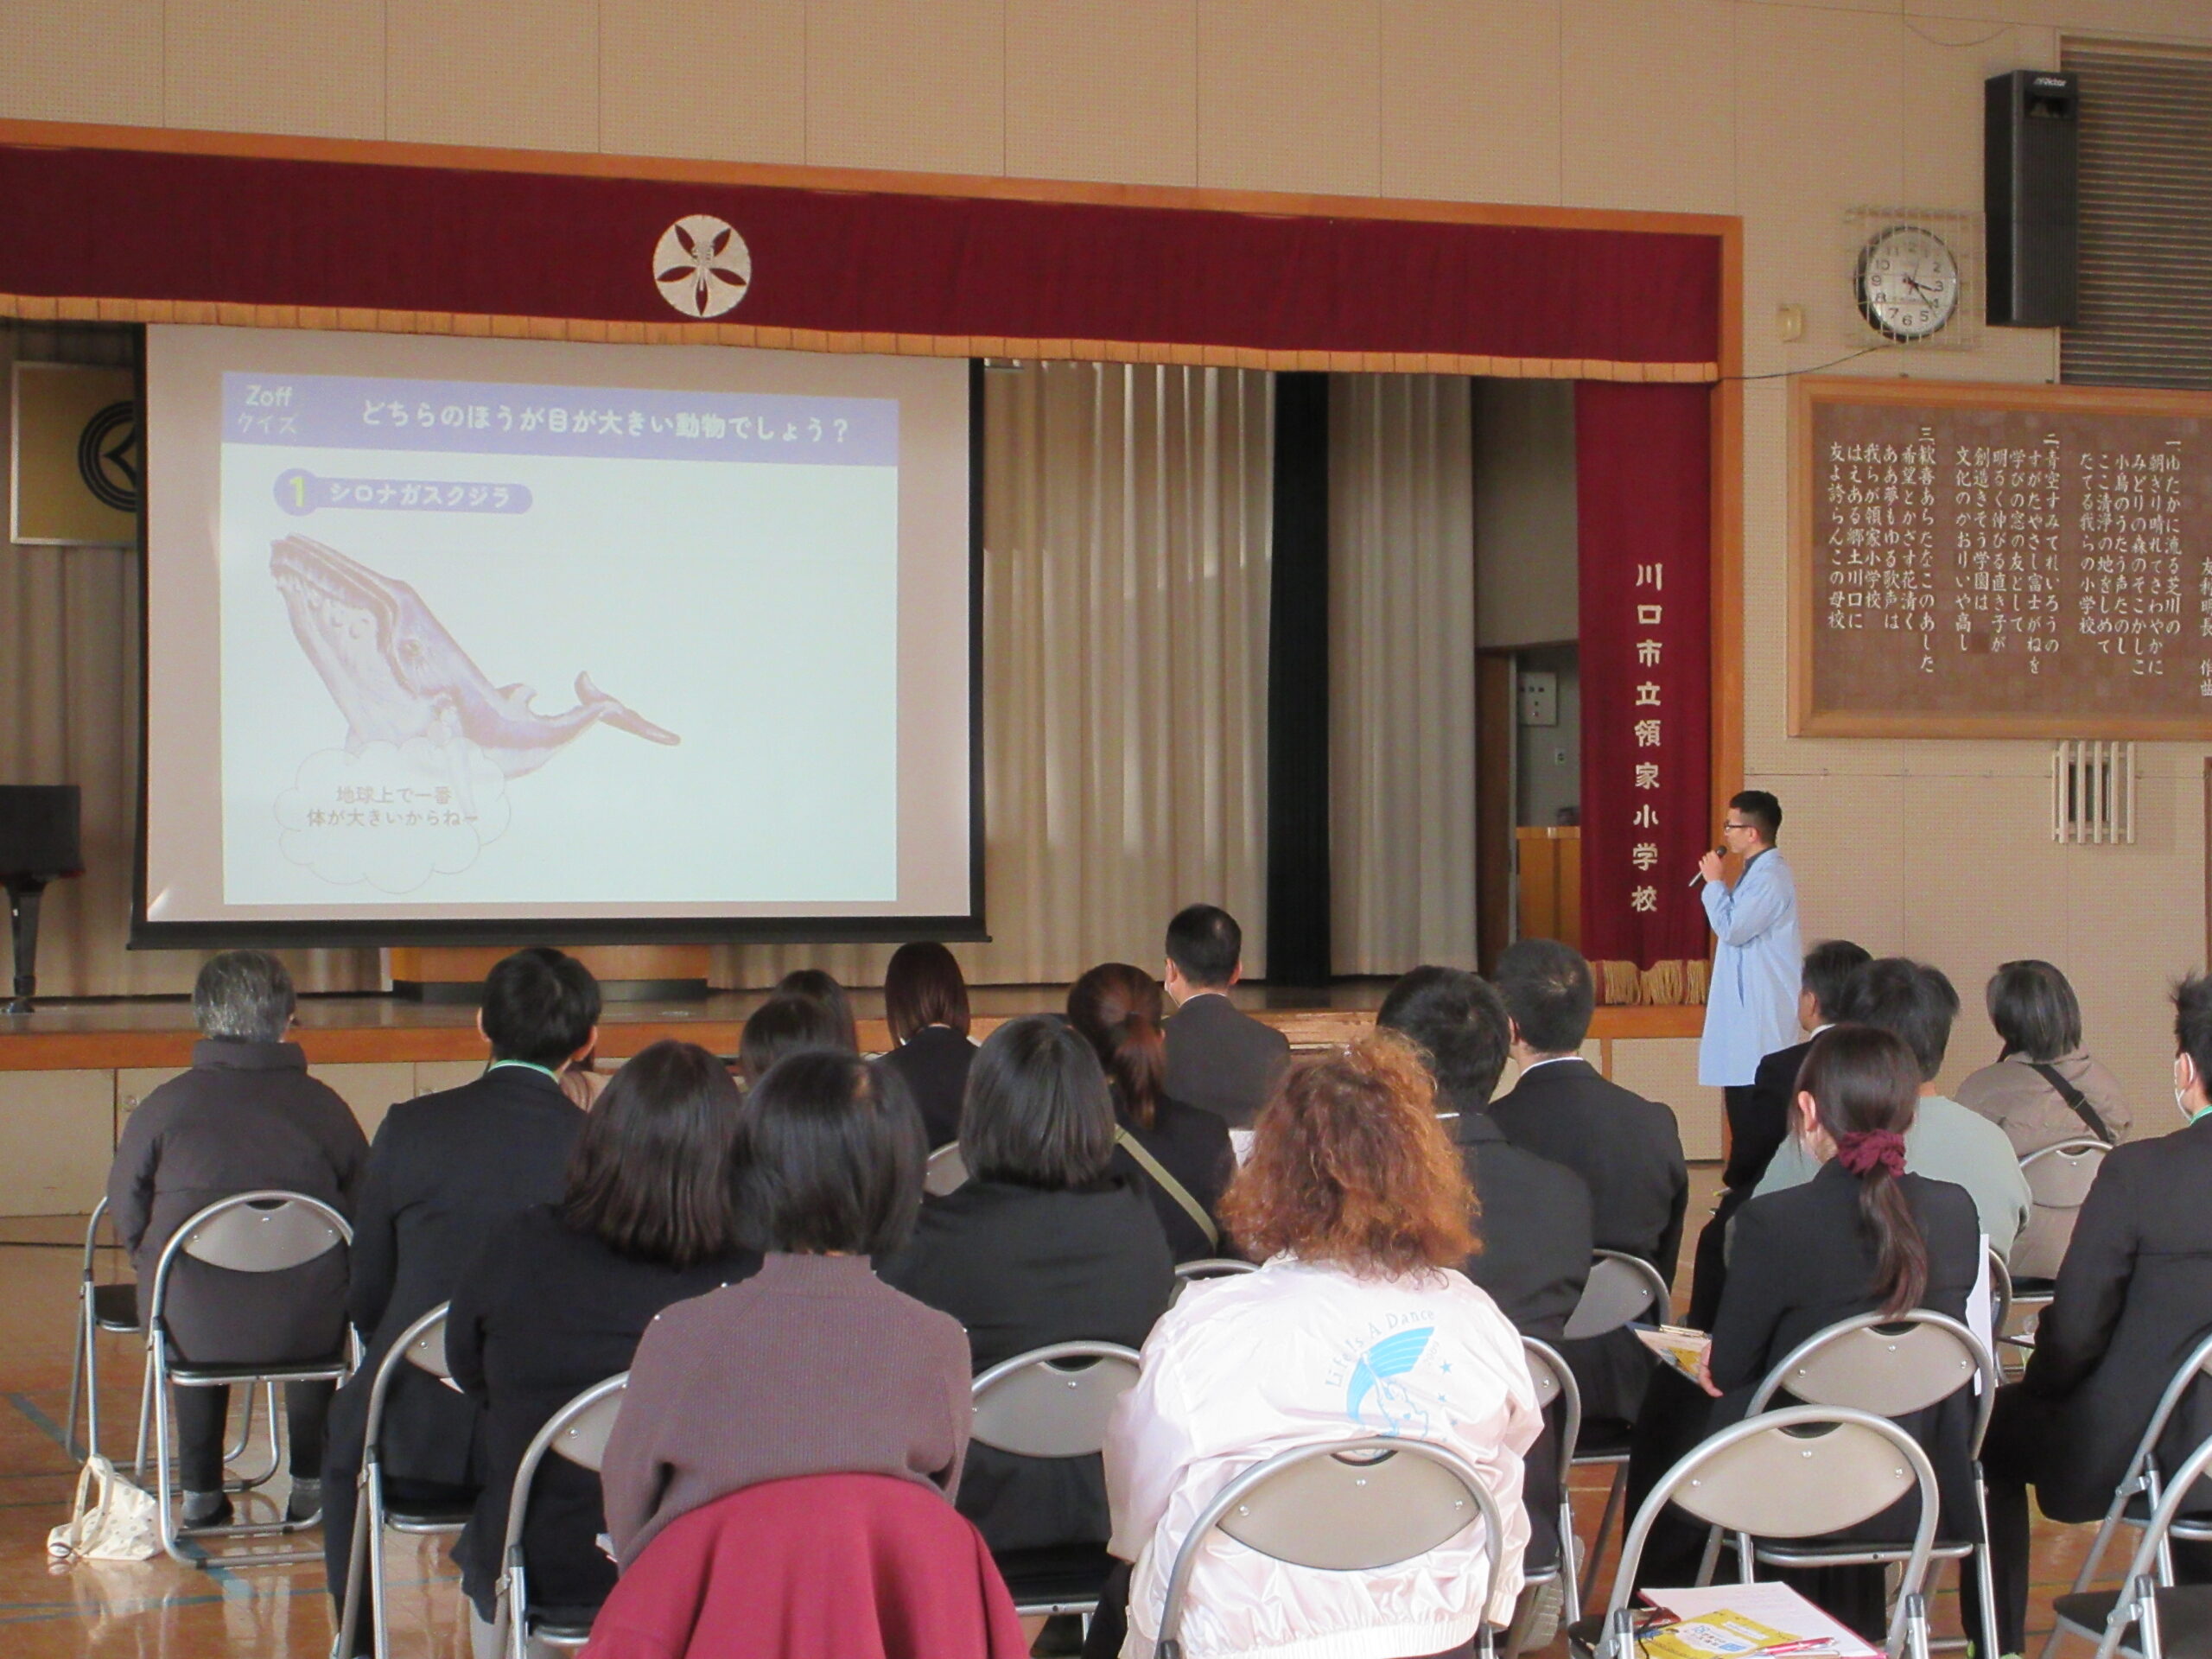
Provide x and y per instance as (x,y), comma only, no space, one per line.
(1217,1058)
(1042,1244)
(1627,1150)
(1533,1214)
(1116,1006)
(444,1170)
(1758,1117)
(1862,1235)
(2133,1296)
(561,1293)
(925,1000)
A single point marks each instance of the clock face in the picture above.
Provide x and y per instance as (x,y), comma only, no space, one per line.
(1908,282)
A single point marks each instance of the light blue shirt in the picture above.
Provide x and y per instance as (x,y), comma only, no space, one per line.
(1750,1007)
(1947,1143)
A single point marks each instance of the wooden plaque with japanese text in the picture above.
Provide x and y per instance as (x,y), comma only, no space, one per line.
(1994,561)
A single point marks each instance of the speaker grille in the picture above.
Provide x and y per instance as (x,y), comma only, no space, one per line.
(2147,218)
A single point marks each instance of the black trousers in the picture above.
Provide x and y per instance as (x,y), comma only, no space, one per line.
(202,1414)
(2023,1444)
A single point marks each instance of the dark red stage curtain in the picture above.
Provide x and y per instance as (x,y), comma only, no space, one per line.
(141,225)
(1643,489)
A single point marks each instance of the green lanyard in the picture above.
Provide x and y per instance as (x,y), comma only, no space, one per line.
(527,1065)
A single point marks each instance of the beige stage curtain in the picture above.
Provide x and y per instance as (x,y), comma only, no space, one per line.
(1401,625)
(1126,563)
(69,714)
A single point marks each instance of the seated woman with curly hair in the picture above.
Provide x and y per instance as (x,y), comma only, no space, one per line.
(1356,1204)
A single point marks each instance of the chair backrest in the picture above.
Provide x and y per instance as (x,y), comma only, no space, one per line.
(2000,1293)
(1887,1364)
(945,1171)
(2059,1178)
(92,1236)
(1554,1381)
(1350,1506)
(1795,1473)
(1214,1267)
(2139,1587)
(422,1344)
(1620,1288)
(577,1432)
(266,1232)
(1052,1402)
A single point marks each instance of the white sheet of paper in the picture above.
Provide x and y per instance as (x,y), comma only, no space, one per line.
(1981,1306)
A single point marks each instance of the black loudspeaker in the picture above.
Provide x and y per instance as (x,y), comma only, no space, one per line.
(38,830)
(2030,134)
(38,844)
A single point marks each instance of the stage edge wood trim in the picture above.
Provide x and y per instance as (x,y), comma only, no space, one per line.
(83,1050)
(30,308)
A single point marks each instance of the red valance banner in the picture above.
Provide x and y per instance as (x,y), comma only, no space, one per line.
(1643,484)
(149,225)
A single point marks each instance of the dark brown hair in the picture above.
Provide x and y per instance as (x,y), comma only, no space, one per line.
(2034,1010)
(784,1025)
(828,1156)
(1350,1166)
(922,986)
(1037,1112)
(646,1178)
(822,987)
(1863,1080)
(1117,1009)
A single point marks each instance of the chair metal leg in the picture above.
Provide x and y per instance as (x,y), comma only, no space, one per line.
(1985,1575)
(83,1381)
(1570,1576)
(164,1507)
(145,1404)
(1606,1523)
(349,1614)
(1914,1615)
(381,1636)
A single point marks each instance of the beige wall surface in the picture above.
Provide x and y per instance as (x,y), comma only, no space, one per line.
(1785,114)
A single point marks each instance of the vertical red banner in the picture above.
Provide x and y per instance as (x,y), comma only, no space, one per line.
(1644,481)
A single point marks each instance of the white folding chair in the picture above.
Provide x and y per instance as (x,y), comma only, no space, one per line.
(2143,1489)
(1555,1386)
(1343,1506)
(2148,1600)
(577,1432)
(2059,1178)
(1621,1288)
(945,1171)
(1890,1366)
(422,1344)
(265,1231)
(1053,1402)
(1796,1473)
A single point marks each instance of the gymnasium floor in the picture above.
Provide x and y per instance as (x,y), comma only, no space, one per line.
(161,1611)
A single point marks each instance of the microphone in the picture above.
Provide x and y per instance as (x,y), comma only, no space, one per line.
(1720,851)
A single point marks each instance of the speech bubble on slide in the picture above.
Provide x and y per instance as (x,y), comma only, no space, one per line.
(394,815)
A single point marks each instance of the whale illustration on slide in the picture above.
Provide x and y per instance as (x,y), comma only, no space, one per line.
(397,674)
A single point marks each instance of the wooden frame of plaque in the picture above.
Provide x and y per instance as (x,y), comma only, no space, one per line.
(1999,560)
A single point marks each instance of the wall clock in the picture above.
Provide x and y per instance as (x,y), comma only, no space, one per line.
(1907,282)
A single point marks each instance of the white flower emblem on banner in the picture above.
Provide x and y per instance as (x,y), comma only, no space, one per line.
(701,265)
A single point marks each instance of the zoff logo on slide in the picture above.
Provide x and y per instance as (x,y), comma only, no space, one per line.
(701,265)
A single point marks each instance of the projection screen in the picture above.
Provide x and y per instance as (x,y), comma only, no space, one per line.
(475,639)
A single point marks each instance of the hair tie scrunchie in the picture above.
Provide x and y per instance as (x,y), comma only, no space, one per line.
(1862,1151)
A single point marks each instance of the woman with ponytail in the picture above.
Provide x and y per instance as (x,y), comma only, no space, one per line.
(1862,1237)
(1177,1155)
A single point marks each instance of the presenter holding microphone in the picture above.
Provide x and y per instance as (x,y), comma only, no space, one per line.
(1751,1007)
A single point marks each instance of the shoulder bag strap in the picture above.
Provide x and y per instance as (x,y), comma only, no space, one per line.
(1173,1188)
(2075,1098)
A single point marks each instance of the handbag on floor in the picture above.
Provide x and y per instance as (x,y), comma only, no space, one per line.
(112,1519)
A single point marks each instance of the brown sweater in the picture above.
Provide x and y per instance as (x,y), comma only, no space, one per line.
(813,1366)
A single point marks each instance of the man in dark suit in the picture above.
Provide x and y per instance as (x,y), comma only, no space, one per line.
(1532,1215)
(2133,1297)
(1217,1058)
(444,1171)
(1627,1149)
(1758,1117)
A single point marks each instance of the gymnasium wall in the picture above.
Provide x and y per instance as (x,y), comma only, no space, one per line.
(1784,114)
